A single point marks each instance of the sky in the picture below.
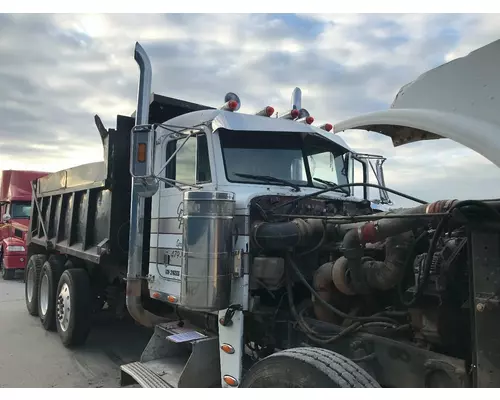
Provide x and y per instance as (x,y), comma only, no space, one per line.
(57,71)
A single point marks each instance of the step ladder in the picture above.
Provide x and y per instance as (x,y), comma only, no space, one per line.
(178,355)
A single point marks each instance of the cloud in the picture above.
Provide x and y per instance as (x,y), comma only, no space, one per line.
(57,71)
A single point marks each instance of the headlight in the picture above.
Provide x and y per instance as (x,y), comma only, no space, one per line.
(16,248)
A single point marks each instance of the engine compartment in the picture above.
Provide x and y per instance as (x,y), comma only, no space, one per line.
(402,275)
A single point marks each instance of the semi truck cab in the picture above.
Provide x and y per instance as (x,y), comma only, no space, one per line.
(15,211)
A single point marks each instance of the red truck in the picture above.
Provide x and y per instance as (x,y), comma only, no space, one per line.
(15,210)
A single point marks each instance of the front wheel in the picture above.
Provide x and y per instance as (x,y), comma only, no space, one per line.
(307,367)
(73,307)
(7,274)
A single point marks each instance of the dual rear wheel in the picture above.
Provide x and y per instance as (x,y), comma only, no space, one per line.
(60,296)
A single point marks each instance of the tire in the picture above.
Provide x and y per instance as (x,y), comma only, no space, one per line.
(8,274)
(49,278)
(31,283)
(307,367)
(73,291)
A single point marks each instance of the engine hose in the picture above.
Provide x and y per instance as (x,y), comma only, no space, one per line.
(278,235)
(306,329)
(327,339)
(262,212)
(315,336)
(320,243)
(375,317)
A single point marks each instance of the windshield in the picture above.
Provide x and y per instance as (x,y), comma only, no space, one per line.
(284,155)
(20,210)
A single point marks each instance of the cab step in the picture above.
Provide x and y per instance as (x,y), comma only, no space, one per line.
(153,374)
(176,356)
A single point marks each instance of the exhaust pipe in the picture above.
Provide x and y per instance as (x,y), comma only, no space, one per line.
(137,203)
(297,99)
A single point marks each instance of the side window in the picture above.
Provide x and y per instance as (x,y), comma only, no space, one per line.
(203,174)
(191,164)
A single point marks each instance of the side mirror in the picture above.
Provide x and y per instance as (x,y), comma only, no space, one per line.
(142,160)
(384,196)
(6,218)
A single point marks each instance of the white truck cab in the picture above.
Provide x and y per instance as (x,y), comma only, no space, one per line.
(246,155)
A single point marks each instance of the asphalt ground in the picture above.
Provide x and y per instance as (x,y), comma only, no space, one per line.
(32,357)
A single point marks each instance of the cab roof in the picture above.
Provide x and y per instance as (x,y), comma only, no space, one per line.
(236,121)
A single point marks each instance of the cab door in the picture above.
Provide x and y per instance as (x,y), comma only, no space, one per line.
(190,168)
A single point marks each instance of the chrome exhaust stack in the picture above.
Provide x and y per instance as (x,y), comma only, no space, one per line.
(137,203)
(297,113)
(297,99)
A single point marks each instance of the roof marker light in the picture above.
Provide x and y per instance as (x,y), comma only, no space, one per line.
(293,114)
(231,105)
(231,102)
(266,112)
(326,127)
(307,120)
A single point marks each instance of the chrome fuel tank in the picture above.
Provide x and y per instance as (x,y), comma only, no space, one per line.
(207,250)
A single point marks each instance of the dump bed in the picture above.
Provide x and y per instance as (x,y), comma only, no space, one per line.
(84,211)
